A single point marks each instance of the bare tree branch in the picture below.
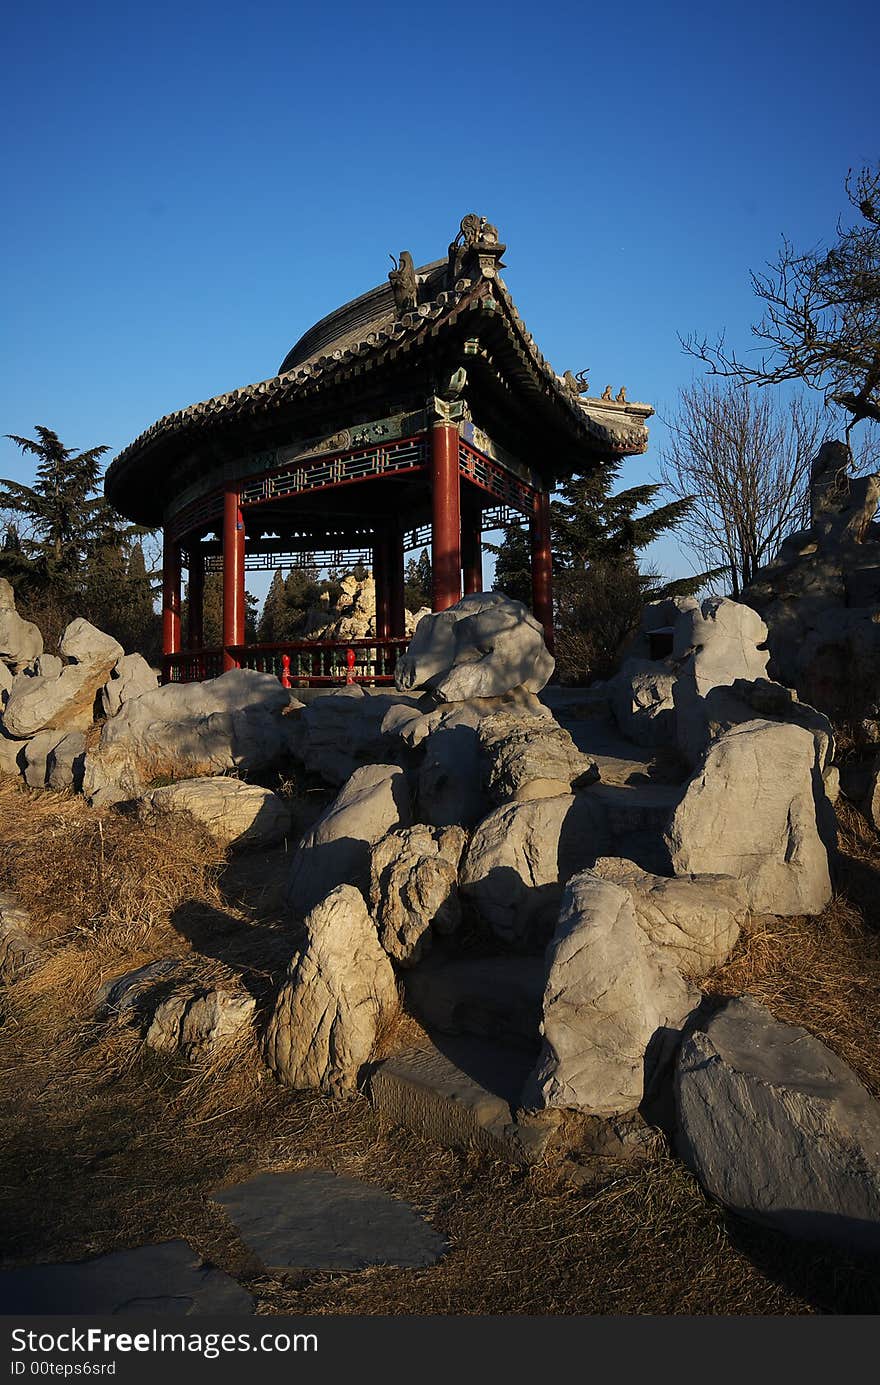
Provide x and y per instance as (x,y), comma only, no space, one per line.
(821,322)
(745,458)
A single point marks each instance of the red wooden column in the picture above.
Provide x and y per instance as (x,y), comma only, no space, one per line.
(445,517)
(195,594)
(398,600)
(233,575)
(170,595)
(381,577)
(472,549)
(542,565)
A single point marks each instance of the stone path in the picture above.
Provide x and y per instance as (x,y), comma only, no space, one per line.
(319,1220)
(166,1278)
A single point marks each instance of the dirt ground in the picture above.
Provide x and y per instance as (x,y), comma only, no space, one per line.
(104,1145)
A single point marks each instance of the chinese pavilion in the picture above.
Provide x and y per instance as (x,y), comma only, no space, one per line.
(421,413)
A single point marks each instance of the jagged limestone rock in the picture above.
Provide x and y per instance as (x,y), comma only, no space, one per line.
(65,762)
(749,811)
(483,646)
(197,1022)
(19,950)
(694,919)
(642,698)
(36,754)
(233,812)
(713,645)
(54,702)
(233,722)
(83,643)
(20,640)
(524,758)
(336,850)
(610,993)
(131,676)
(341,987)
(520,857)
(414,888)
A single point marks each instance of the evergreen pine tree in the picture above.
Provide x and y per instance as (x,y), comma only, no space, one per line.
(63,508)
(271,615)
(513,565)
(417,582)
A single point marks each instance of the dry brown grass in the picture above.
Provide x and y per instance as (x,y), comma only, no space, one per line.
(106,1145)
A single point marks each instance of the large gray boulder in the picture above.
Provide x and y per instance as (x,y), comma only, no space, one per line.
(610,994)
(234,812)
(713,645)
(414,888)
(749,811)
(340,989)
(83,643)
(694,919)
(483,646)
(131,675)
(36,755)
(520,857)
(51,695)
(450,788)
(65,762)
(20,640)
(643,703)
(336,850)
(778,1128)
(53,701)
(530,757)
(352,726)
(188,730)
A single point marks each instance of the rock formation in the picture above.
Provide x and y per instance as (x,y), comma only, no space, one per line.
(609,994)
(336,850)
(749,811)
(484,645)
(20,640)
(520,857)
(414,888)
(820,597)
(235,813)
(233,722)
(341,987)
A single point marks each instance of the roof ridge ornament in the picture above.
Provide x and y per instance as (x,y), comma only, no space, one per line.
(476,251)
(404,284)
(577,383)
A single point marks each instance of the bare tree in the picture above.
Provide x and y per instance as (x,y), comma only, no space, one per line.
(821,322)
(745,458)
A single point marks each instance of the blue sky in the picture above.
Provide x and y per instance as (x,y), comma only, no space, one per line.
(189,186)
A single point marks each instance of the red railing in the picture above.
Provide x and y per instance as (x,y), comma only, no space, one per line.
(296,663)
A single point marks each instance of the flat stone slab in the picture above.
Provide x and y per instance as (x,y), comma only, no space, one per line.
(462,1092)
(314,1219)
(166,1278)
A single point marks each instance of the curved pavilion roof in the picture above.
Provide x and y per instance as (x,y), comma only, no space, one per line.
(345,353)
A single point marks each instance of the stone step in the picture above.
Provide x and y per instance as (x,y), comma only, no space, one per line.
(463,1092)
(498,998)
(637,807)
